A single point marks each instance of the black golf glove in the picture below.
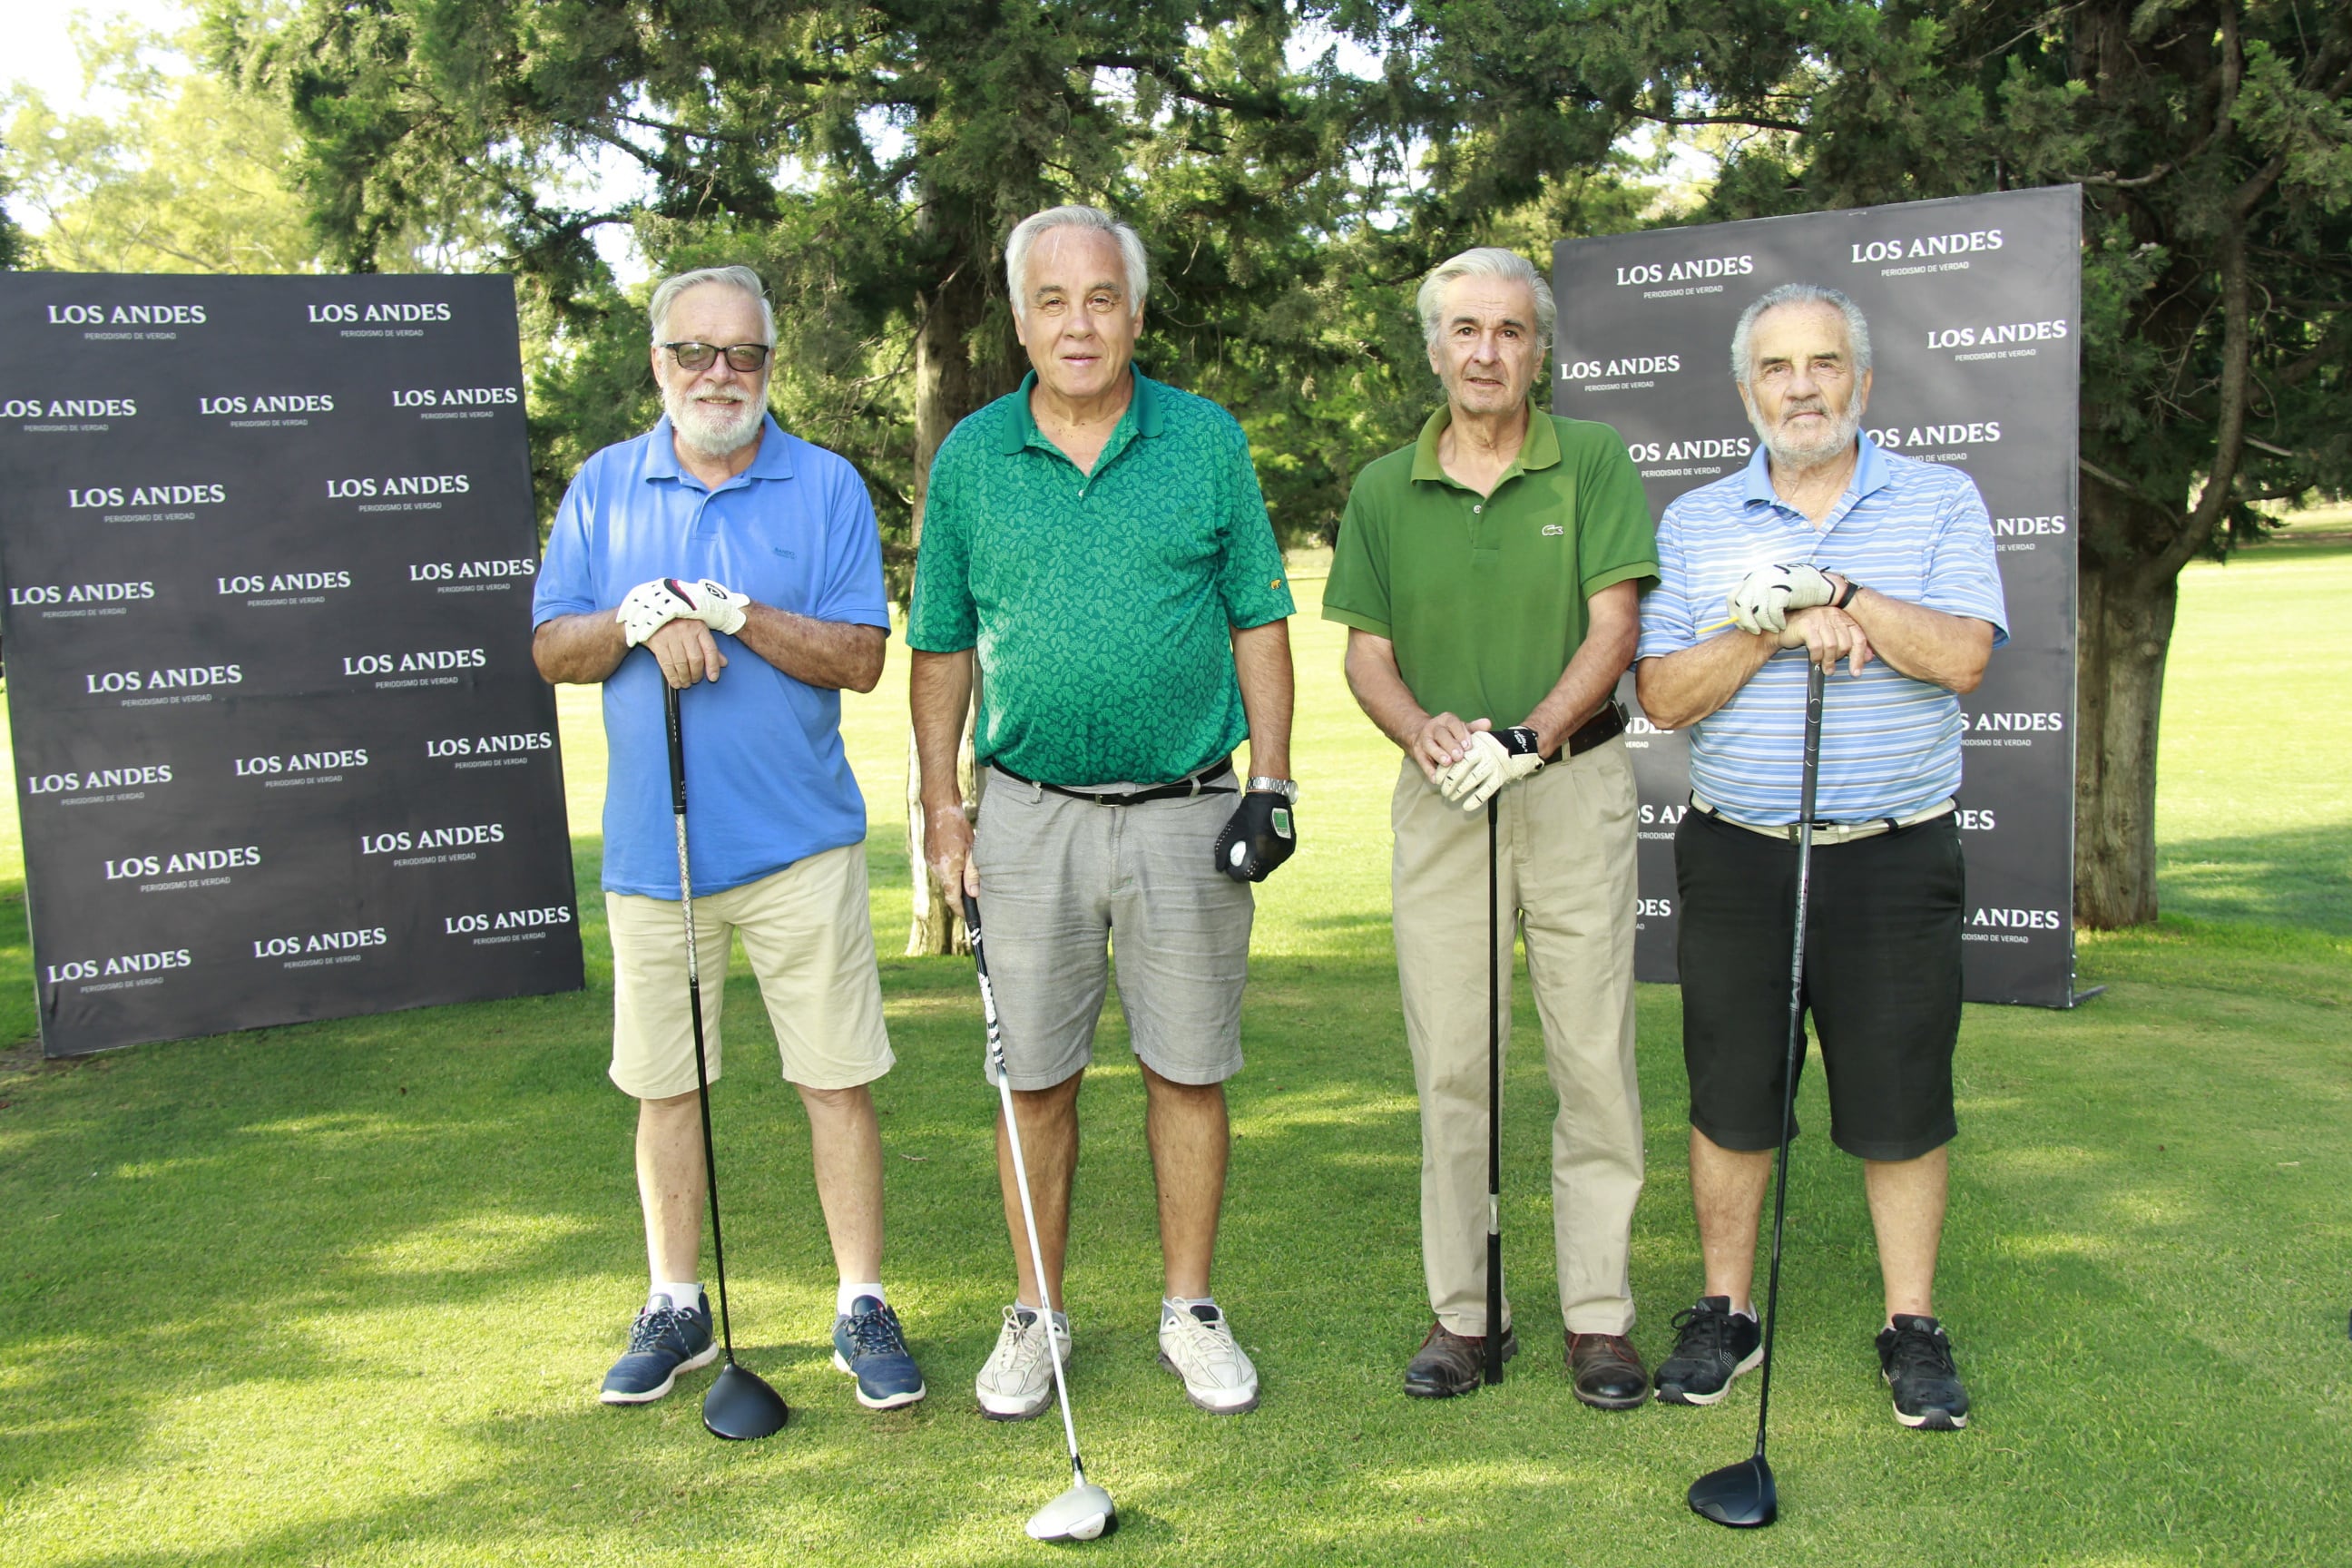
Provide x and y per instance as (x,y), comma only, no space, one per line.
(1258,836)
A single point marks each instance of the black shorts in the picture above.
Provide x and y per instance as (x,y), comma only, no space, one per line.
(1882,982)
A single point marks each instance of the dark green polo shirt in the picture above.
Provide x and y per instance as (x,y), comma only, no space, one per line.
(1484,595)
(1101,604)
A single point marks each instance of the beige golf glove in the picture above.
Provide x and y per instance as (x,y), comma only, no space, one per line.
(719,606)
(1496,757)
(1765,596)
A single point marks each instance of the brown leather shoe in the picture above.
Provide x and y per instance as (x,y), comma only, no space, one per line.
(1608,1371)
(1449,1363)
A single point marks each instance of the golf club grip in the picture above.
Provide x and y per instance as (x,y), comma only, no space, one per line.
(676,747)
(971,929)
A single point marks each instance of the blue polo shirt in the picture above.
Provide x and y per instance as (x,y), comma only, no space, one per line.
(767,782)
(1890,744)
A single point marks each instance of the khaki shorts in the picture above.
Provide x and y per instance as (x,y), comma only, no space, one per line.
(810,937)
(1061,881)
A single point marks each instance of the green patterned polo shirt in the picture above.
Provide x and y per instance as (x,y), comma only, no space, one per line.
(1101,604)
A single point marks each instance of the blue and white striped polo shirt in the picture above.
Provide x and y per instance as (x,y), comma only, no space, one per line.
(1890,744)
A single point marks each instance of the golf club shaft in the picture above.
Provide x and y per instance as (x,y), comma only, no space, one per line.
(1021,1178)
(1493,1099)
(1815,678)
(694,1005)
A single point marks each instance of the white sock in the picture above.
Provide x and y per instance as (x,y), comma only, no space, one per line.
(1746,1311)
(685,1298)
(846,1297)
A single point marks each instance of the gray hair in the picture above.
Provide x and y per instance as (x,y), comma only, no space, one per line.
(1025,234)
(1487,261)
(743,278)
(1858,330)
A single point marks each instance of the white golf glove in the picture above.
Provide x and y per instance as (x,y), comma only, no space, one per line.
(1765,596)
(1496,757)
(720,607)
(653,606)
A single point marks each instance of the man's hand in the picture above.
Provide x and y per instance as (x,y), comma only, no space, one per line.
(1828,635)
(650,606)
(1765,596)
(686,652)
(653,606)
(1496,757)
(1258,836)
(946,846)
(719,606)
(1442,740)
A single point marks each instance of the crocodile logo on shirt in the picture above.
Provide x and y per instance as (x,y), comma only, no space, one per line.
(1552,529)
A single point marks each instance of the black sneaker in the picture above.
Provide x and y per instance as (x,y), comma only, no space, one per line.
(664,1342)
(1915,1357)
(1716,1345)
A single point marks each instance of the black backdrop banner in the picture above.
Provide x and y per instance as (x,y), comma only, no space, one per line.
(1974,306)
(281,755)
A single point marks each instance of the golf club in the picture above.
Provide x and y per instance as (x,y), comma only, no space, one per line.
(739,1405)
(1493,1100)
(1742,1495)
(1086,1511)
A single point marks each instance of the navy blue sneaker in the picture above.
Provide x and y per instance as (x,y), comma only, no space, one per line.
(664,1342)
(869,1344)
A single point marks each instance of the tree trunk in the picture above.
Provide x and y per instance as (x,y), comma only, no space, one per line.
(950,382)
(2126,630)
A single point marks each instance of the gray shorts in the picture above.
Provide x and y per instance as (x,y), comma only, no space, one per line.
(1058,877)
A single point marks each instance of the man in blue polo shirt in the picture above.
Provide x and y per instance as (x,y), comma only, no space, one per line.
(745,562)
(1830,550)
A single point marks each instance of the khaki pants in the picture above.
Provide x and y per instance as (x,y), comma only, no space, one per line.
(1565,864)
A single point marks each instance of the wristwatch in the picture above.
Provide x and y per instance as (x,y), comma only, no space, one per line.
(1842,600)
(1287,788)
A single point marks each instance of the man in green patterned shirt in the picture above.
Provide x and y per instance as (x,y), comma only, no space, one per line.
(1098,542)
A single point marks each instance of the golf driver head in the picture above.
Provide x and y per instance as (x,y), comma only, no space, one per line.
(740,1406)
(1082,1513)
(1741,1495)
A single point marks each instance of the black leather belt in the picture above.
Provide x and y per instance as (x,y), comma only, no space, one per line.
(1599,729)
(1201,783)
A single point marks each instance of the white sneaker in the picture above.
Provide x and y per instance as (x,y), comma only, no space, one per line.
(1218,1377)
(1017,1381)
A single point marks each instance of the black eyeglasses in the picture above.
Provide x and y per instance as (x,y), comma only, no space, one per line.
(745,357)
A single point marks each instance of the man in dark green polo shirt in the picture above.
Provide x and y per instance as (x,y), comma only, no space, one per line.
(1489,575)
(1097,542)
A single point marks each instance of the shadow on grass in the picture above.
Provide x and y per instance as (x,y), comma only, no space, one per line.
(2298,878)
(294,1235)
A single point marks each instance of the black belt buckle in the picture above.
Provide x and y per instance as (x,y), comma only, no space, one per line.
(1600,729)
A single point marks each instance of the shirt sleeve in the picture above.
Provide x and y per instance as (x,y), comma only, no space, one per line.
(1251,577)
(1357,592)
(1963,574)
(941,617)
(1669,624)
(853,593)
(1615,543)
(567,575)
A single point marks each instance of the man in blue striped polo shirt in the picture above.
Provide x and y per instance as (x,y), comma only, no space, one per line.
(1826,548)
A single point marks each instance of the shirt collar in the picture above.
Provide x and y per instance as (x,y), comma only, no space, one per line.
(1870,473)
(770,462)
(1540,450)
(1143,410)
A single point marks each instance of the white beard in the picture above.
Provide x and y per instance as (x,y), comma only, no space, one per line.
(710,428)
(1810,454)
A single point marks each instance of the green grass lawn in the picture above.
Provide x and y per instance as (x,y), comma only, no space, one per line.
(342,1293)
